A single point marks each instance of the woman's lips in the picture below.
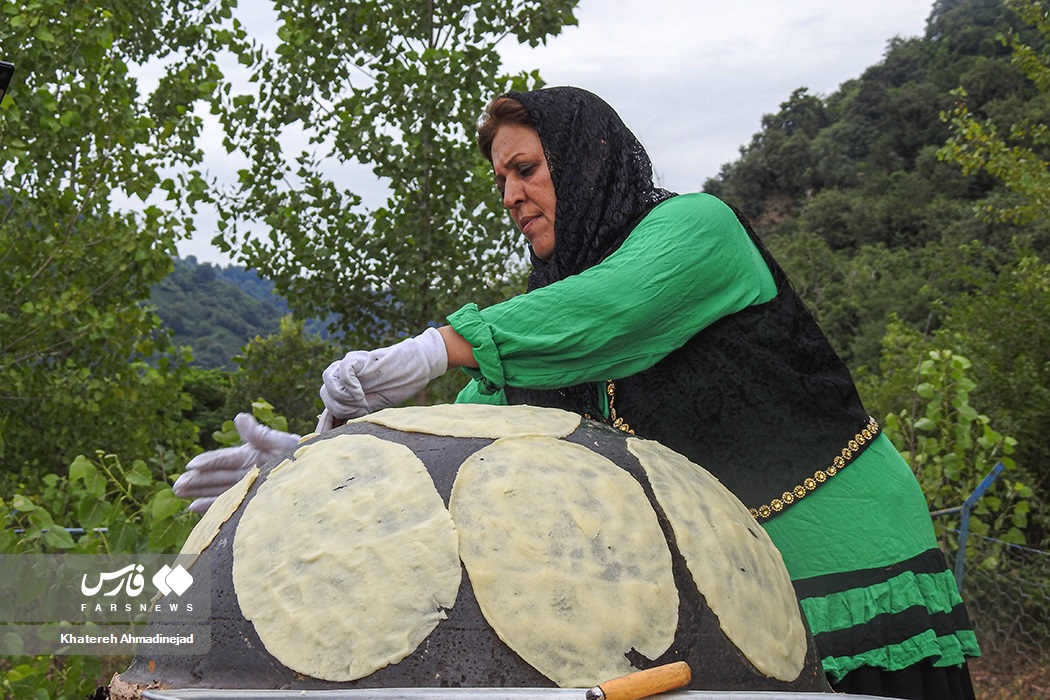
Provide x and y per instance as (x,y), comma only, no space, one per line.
(525,222)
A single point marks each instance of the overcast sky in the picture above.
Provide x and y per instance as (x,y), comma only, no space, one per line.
(693,78)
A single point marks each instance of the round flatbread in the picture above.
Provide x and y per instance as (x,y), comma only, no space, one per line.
(476,420)
(346,558)
(225,505)
(566,558)
(735,565)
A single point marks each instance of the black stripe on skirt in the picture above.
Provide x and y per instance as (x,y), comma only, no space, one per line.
(929,562)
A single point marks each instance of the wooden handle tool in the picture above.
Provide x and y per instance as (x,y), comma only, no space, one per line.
(641,684)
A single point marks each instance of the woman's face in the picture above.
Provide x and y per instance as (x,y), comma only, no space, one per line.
(523,178)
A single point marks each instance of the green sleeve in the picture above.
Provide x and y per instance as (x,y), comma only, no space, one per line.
(685,265)
(474,392)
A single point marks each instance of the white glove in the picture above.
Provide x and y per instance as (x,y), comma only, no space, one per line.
(210,473)
(366,381)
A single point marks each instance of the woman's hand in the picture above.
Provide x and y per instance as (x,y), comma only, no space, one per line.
(368,380)
(209,474)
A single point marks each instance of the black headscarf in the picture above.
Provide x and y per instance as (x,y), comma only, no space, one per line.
(603,179)
(603,185)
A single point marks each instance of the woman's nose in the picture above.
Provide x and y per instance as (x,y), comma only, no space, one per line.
(513,195)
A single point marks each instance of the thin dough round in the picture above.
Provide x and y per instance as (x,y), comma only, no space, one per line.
(735,565)
(219,512)
(566,558)
(346,558)
(477,420)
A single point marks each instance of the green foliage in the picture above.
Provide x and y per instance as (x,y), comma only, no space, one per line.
(1018,158)
(403,101)
(883,242)
(951,447)
(207,389)
(1005,329)
(285,368)
(860,166)
(83,364)
(780,165)
(121,508)
(976,145)
(77,135)
(67,678)
(998,316)
(110,507)
(855,294)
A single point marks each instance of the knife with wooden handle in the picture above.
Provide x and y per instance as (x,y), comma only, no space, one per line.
(641,684)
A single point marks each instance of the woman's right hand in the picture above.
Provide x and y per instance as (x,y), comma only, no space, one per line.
(209,474)
(366,381)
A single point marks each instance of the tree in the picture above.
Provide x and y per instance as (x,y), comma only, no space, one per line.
(285,369)
(951,447)
(76,134)
(1017,159)
(1001,326)
(1005,330)
(394,85)
(777,168)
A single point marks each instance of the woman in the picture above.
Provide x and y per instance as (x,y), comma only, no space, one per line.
(665,316)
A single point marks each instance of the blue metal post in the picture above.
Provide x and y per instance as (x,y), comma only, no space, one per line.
(964,525)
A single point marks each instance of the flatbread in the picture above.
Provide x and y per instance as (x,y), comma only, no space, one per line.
(346,558)
(566,558)
(735,565)
(476,420)
(225,505)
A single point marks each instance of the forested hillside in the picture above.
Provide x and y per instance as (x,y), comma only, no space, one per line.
(216,310)
(863,196)
(211,314)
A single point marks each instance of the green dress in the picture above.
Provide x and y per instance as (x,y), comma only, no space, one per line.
(860,548)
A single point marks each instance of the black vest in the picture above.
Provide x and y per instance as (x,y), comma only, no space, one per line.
(759,398)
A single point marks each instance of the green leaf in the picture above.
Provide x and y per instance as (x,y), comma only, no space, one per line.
(22,672)
(165,504)
(139,474)
(168,535)
(14,643)
(92,513)
(44,35)
(59,538)
(81,469)
(925,424)
(21,503)
(95,484)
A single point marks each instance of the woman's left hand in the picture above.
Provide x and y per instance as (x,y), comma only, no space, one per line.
(209,474)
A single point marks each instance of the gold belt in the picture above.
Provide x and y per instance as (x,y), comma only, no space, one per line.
(853,448)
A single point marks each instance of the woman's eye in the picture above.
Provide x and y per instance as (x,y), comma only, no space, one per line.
(526,170)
